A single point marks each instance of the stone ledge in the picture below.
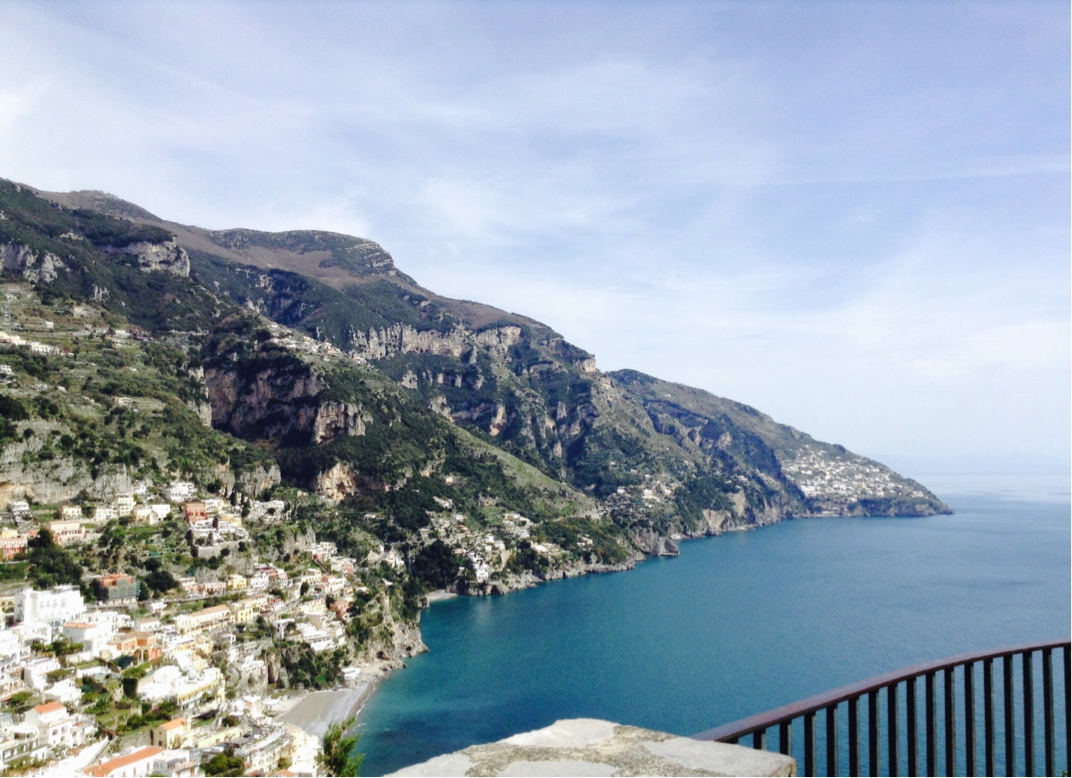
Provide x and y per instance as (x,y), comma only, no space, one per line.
(590,747)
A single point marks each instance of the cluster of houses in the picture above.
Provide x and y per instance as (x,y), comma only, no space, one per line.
(180,647)
(33,346)
(820,475)
(486,553)
(178,641)
(180,637)
(212,523)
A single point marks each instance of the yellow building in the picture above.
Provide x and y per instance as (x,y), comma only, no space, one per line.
(244,611)
(206,620)
(170,734)
(236,582)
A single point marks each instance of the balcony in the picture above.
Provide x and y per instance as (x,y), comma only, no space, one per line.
(1001,712)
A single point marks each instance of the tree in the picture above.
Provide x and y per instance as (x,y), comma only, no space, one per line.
(336,752)
(51,565)
(225,763)
(436,565)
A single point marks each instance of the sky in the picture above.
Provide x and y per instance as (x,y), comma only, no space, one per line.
(854,216)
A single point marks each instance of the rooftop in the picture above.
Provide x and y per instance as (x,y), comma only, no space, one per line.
(107,768)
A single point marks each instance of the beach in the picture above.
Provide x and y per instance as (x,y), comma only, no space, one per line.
(317,711)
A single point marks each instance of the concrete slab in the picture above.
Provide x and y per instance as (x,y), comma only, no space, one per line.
(566,768)
(701,754)
(567,733)
(448,766)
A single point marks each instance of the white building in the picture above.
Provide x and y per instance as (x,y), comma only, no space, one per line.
(133,764)
(124,503)
(179,491)
(94,637)
(35,673)
(175,762)
(54,607)
(161,510)
(71,513)
(105,513)
(188,689)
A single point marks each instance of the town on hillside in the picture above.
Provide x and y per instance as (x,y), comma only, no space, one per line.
(161,675)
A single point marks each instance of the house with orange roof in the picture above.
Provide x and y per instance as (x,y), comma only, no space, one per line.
(132,765)
(57,727)
(170,734)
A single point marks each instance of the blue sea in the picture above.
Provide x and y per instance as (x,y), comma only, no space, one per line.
(737,624)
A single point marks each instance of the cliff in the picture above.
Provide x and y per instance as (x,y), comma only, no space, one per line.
(372,381)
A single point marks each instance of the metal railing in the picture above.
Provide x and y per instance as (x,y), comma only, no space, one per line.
(942,729)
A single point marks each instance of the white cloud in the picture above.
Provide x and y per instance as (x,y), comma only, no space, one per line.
(853,217)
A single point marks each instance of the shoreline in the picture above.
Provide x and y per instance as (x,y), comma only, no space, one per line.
(314,712)
(565,573)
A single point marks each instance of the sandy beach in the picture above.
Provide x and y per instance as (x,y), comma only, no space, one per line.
(318,710)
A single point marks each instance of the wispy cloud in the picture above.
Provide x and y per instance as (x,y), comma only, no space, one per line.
(854,216)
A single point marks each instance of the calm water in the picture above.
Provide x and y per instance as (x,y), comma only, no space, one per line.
(736,625)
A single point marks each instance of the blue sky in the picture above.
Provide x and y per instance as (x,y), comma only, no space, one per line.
(853,216)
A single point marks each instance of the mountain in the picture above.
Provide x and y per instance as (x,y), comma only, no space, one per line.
(393,401)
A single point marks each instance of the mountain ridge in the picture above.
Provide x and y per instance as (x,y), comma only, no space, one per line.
(683,464)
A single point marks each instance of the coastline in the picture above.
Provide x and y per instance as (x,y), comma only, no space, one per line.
(526,580)
(315,711)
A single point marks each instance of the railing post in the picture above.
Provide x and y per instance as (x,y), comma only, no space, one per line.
(1029,715)
(809,744)
(969,717)
(759,739)
(831,740)
(1010,720)
(785,738)
(1047,708)
(1068,708)
(932,737)
(912,735)
(988,714)
(854,736)
(872,732)
(891,728)
(950,721)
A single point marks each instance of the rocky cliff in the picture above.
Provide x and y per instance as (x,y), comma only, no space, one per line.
(660,459)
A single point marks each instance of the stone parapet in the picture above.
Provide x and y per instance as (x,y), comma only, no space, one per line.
(584,747)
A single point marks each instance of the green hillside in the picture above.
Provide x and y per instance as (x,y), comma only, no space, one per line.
(430,381)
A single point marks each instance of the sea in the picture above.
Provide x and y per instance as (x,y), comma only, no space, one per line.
(738,624)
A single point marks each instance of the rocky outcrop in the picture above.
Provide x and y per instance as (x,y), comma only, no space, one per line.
(457,342)
(250,482)
(168,257)
(203,411)
(336,483)
(404,339)
(35,268)
(281,404)
(64,479)
(653,544)
(335,418)
(276,404)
